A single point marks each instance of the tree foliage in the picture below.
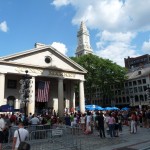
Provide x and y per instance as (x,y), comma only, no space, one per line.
(102,73)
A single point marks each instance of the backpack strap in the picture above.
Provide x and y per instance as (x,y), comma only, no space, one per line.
(19,135)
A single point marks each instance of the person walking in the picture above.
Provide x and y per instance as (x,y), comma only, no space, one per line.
(82,122)
(100,120)
(133,122)
(23,136)
(111,125)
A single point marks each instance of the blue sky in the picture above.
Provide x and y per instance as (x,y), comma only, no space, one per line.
(118,28)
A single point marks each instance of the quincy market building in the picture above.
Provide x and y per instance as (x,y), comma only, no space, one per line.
(43,63)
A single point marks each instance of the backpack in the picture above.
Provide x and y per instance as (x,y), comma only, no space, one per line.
(23,145)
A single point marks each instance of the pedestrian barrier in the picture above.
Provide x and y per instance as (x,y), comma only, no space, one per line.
(56,138)
(30,128)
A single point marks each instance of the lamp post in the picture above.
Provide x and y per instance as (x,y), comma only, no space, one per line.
(25,90)
(148,94)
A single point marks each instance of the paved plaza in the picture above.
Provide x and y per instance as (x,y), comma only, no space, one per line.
(125,141)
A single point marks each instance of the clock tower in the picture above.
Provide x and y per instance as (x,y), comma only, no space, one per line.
(84,46)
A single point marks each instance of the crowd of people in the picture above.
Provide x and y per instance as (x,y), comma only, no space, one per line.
(107,123)
(110,122)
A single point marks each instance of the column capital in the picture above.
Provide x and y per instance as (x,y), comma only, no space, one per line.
(60,79)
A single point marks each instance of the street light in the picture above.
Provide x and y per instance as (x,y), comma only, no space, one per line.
(148,94)
(131,98)
(25,90)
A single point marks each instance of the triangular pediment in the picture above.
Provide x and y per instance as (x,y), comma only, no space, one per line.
(44,57)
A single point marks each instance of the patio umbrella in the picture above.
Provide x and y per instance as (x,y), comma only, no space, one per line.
(108,108)
(6,108)
(125,108)
(115,108)
(93,107)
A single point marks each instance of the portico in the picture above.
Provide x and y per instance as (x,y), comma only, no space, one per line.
(44,63)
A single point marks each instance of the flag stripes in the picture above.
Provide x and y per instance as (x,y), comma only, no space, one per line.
(43,91)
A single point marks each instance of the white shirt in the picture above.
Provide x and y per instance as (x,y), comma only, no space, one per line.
(35,121)
(2,124)
(82,119)
(88,119)
(23,135)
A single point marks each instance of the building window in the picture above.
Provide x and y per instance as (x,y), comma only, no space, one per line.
(128,99)
(127,91)
(141,98)
(116,100)
(124,100)
(144,88)
(120,100)
(135,90)
(119,92)
(139,82)
(144,81)
(126,84)
(134,83)
(11,84)
(140,89)
(48,59)
(136,98)
(130,90)
(130,83)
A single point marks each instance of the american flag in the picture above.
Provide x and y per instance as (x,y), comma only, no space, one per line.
(43,91)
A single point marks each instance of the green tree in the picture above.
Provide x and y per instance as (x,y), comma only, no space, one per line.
(102,74)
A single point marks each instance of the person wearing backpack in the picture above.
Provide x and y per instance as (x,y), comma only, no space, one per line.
(20,135)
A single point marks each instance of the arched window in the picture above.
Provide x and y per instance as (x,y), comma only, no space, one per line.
(11,100)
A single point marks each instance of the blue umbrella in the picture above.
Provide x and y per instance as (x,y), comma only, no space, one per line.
(115,108)
(125,108)
(6,108)
(108,108)
(93,107)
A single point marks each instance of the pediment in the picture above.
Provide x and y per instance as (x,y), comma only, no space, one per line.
(37,57)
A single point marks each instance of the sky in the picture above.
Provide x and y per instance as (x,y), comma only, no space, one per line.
(118,28)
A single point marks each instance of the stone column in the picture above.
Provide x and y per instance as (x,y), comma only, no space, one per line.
(72,99)
(17,104)
(60,98)
(81,96)
(31,104)
(2,88)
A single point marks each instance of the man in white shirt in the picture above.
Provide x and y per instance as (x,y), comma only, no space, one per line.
(23,136)
(35,120)
(2,126)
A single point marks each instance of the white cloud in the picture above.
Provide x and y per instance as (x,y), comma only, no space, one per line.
(146,47)
(59,3)
(117,52)
(111,15)
(116,46)
(60,47)
(118,23)
(3,26)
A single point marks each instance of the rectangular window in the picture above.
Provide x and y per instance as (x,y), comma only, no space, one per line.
(144,88)
(126,84)
(135,90)
(134,83)
(139,82)
(119,92)
(130,83)
(144,81)
(140,89)
(12,84)
(130,90)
